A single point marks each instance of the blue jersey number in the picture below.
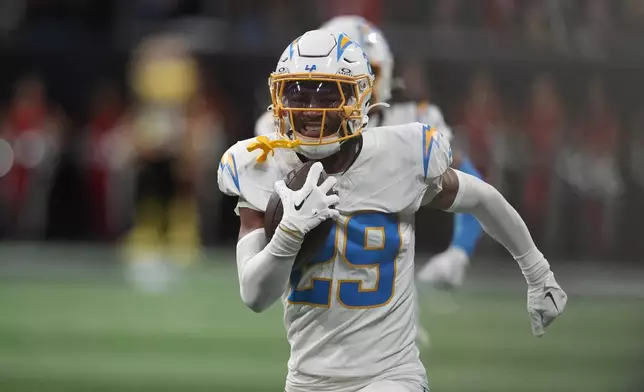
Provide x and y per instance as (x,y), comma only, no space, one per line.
(319,292)
(371,240)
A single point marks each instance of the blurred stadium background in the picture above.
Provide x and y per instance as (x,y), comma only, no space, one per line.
(116,248)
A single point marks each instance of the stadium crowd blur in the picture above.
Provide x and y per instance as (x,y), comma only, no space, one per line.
(115,113)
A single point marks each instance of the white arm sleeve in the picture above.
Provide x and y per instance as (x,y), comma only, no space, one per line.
(501,222)
(264,269)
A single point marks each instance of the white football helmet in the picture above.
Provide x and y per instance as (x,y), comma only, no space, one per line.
(321,90)
(374,44)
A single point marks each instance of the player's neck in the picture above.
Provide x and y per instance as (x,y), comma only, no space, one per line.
(341,161)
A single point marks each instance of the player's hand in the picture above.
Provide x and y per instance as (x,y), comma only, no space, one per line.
(546,301)
(308,207)
(445,270)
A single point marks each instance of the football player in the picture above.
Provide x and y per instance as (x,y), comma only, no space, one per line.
(446,269)
(350,313)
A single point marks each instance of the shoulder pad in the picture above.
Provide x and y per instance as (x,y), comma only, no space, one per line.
(437,158)
(240,175)
(415,155)
(436,152)
(421,147)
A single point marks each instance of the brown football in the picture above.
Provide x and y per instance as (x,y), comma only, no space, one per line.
(315,239)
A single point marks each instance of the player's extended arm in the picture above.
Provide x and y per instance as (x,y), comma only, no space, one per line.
(447,269)
(264,268)
(465,193)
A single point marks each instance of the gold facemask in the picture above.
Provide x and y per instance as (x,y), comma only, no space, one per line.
(353,93)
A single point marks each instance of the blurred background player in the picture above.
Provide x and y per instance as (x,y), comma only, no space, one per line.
(447,268)
(165,80)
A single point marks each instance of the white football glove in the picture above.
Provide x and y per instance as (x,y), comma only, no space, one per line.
(306,208)
(546,301)
(446,269)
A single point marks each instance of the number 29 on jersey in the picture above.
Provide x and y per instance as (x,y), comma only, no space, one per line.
(366,240)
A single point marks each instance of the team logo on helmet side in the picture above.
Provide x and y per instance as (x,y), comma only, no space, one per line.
(343,43)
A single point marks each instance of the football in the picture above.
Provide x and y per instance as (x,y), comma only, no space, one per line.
(314,240)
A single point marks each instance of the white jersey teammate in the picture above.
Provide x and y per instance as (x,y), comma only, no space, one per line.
(350,314)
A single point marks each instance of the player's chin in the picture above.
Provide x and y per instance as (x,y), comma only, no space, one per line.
(310,132)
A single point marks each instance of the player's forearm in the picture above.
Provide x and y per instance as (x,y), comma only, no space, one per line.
(263,268)
(501,221)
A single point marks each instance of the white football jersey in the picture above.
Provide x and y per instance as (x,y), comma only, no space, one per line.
(351,312)
(396,114)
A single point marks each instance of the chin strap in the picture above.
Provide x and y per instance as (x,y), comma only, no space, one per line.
(268,146)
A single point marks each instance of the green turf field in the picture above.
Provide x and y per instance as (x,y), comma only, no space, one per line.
(104,336)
